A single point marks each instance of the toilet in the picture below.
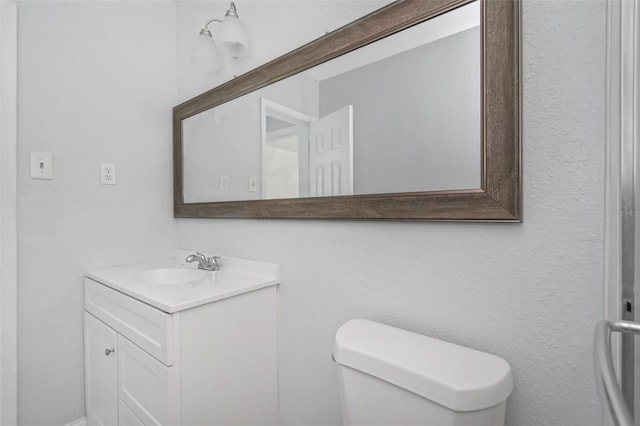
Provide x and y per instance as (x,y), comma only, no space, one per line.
(390,376)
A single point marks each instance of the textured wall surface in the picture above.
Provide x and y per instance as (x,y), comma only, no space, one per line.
(273,27)
(528,292)
(96,83)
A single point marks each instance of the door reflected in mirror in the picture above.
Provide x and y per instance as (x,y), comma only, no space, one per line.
(402,114)
(285,151)
(306,156)
(283,170)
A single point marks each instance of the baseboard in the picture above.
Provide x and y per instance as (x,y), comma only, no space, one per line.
(79,422)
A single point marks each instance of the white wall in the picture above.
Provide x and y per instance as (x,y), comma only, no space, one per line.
(528,292)
(8,212)
(97,81)
(273,27)
(430,139)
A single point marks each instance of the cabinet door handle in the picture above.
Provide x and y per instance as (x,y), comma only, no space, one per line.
(108,351)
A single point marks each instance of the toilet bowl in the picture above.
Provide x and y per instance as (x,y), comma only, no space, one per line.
(390,376)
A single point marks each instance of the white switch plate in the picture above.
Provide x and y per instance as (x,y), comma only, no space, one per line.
(41,165)
(253,184)
(107,173)
(224,183)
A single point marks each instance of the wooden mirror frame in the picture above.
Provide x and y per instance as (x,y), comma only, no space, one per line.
(499,198)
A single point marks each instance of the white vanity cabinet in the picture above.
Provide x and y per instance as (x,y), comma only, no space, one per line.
(101,371)
(214,363)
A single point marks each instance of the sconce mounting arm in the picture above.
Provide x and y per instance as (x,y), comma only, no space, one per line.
(206,30)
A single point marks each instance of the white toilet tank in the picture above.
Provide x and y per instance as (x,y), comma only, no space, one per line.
(390,376)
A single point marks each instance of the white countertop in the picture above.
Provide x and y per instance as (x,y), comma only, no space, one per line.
(236,276)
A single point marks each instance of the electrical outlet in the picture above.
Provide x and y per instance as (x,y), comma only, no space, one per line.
(107,173)
(223,183)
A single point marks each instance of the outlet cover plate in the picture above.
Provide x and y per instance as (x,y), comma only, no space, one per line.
(107,173)
(223,183)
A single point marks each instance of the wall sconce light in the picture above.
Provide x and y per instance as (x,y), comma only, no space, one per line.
(232,39)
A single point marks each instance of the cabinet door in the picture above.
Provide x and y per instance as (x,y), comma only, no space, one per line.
(101,367)
(145,385)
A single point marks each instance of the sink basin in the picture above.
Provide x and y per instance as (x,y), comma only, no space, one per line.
(169,276)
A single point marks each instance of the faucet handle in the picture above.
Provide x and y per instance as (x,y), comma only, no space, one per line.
(213,262)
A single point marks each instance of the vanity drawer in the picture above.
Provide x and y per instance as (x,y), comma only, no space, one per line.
(146,326)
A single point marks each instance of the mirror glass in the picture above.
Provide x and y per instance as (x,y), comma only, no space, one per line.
(402,114)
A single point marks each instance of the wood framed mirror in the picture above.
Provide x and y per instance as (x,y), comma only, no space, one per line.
(496,195)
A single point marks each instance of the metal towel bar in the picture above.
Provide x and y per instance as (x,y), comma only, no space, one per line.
(606,381)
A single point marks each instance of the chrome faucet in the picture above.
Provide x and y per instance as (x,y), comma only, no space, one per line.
(204,262)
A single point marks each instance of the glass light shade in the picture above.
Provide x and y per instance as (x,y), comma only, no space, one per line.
(233,37)
(204,53)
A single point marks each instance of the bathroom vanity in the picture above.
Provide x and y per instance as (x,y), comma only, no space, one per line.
(168,344)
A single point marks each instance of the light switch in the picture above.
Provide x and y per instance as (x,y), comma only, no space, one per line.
(253,184)
(41,165)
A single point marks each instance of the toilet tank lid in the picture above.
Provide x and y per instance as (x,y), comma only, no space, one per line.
(457,377)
